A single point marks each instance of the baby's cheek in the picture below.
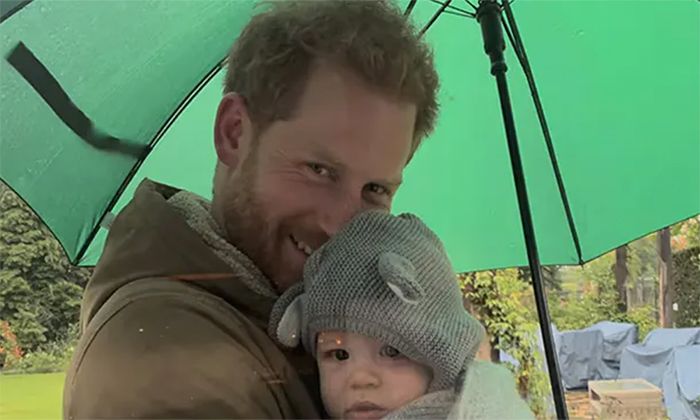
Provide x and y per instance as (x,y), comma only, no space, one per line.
(331,390)
(409,382)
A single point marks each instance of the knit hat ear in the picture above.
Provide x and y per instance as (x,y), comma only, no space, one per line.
(400,276)
(289,328)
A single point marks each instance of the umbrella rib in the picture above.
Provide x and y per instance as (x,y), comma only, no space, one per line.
(410,7)
(519,48)
(434,18)
(471,4)
(513,42)
(11,7)
(455,10)
(163,129)
(460,14)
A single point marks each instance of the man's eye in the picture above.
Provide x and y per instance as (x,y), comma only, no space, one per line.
(319,169)
(378,189)
(390,352)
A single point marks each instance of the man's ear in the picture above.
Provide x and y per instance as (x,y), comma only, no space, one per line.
(232,130)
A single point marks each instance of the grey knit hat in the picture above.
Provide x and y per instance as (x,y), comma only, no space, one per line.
(389,278)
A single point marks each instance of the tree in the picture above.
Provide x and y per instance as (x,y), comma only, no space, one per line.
(666,287)
(595,297)
(550,276)
(40,291)
(642,264)
(19,308)
(686,273)
(621,274)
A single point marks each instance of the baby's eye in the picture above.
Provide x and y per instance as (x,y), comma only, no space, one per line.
(390,352)
(337,354)
(341,355)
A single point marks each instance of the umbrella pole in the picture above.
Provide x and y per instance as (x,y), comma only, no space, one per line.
(488,15)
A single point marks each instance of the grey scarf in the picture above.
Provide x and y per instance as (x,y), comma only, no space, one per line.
(197,213)
(488,392)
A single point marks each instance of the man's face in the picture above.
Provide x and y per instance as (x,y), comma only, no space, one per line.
(290,188)
(361,378)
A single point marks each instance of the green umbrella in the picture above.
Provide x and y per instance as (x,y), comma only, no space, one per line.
(90,89)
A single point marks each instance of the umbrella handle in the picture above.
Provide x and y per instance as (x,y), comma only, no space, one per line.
(488,15)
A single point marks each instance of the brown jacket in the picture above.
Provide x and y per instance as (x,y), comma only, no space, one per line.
(169,332)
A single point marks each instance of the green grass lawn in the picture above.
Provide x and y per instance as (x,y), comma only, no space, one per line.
(37,396)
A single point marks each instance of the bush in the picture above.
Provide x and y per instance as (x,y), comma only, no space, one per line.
(644,317)
(501,300)
(576,314)
(41,362)
(10,351)
(51,357)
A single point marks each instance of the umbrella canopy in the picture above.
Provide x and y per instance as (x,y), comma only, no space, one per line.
(618,80)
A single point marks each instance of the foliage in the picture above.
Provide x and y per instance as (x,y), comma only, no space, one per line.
(686,234)
(686,274)
(51,357)
(597,299)
(644,317)
(550,276)
(501,299)
(643,271)
(10,351)
(40,291)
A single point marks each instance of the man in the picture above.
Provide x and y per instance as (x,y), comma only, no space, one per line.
(325,104)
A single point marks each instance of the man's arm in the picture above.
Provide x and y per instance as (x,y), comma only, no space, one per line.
(159,358)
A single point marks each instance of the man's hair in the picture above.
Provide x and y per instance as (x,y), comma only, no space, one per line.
(271,60)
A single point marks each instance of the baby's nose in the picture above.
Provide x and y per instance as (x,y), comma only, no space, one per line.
(363,378)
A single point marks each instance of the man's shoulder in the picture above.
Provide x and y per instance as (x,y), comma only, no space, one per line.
(163,310)
(163,347)
(172,350)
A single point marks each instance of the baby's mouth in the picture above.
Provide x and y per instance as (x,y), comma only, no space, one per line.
(365,410)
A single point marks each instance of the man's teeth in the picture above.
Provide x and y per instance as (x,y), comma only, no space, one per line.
(303,247)
(307,249)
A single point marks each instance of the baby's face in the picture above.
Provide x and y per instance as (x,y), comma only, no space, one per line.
(362,378)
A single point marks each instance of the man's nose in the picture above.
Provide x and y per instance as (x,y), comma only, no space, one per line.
(339,211)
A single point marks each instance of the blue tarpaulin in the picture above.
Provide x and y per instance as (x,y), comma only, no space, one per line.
(681,383)
(616,336)
(580,354)
(648,360)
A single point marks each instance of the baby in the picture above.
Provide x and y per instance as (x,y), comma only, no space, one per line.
(381,311)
